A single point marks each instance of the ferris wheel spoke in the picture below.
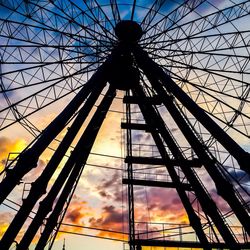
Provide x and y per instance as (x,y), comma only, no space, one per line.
(43,65)
(133,10)
(241,128)
(42,53)
(234,35)
(199,87)
(35,35)
(47,18)
(115,11)
(71,23)
(31,34)
(171,52)
(150,16)
(216,88)
(208,78)
(205,23)
(47,55)
(231,110)
(76,15)
(32,15)
(219,65)
(171,20)
(189,66)
(213,94)
(44,56)
(40,99)
(223,86)
(45,76)
(100,16)
(37,75)
(214,43)
(25,123)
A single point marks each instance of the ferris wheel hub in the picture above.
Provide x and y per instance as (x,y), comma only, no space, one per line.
(128,31)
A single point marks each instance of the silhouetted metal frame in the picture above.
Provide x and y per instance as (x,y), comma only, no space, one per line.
(129,152)
(165,87)
(156,124)
(69,174)
(159,80)
(28,159)
(84,146)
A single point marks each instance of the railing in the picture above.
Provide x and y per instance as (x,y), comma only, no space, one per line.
(145,150)
(9,163)
(148,150)
(151,176)
(137,175)
(182,232)
(165,231)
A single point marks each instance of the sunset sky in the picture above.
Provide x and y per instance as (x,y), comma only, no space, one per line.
(100,199)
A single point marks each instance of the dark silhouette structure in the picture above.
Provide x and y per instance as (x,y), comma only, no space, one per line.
(149,87)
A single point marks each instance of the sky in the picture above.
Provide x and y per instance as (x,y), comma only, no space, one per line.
(100,198)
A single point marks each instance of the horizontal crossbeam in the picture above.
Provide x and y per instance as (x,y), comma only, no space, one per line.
(135,126)
(188,244)
(154,100)
(150,183)
(194,163)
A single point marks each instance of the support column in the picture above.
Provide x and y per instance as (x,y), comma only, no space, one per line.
(38,188)
(225,140)
(70,172)
(151,71)
(130,177)
(224,187)
(156,123)
(28,159)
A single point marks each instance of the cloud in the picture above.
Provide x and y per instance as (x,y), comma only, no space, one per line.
(4,222)
(111,188)
(161,205)
(164,206)
(76,214)
(109,183)
(110,219)
(77,211)
(105,194)
(108,140)
(10,146)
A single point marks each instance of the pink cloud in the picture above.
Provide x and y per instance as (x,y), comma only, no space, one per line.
(110,219)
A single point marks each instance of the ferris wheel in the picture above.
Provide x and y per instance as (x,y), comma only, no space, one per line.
(177,71)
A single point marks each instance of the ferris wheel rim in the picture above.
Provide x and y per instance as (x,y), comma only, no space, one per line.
(178,64)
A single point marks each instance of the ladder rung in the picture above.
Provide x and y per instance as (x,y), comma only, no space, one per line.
(163,184)
(135,126)
(194,163)
(155,100)
(144,160)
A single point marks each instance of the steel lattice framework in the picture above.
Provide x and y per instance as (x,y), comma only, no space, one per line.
(176,65)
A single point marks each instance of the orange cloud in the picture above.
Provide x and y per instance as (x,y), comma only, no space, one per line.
(162,205)
(5,220)
(77,211)
(111,219)
(3,228)
(108,140)
(10,146)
